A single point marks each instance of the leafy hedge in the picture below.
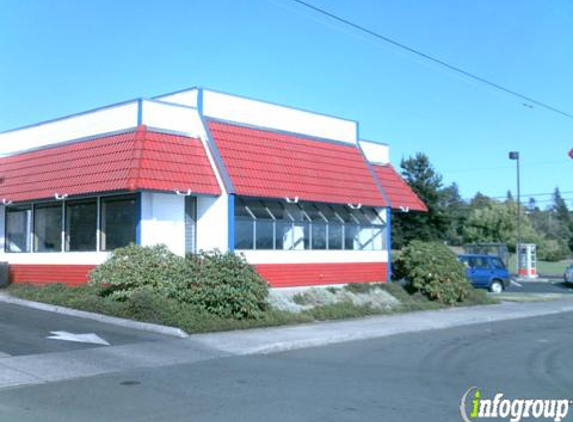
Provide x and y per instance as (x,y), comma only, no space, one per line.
(433,270)
(221,284)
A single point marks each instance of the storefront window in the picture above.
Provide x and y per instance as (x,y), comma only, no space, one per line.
(118,222)
(48,227)
(81,225)
(274,224)
(18,225)
(335,236)
(265,234)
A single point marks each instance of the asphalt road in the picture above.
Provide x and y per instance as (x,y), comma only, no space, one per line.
(25,331)
(410,377)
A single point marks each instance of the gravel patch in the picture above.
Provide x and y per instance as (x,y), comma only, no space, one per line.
(300,299)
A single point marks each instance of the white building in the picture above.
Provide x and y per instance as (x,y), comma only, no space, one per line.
(297,192)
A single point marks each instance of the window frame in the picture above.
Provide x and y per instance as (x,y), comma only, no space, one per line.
(309,215)
(29,227)
(44,205)
(101,217)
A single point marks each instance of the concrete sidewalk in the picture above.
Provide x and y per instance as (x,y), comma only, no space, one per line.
(51,367)
(270,340)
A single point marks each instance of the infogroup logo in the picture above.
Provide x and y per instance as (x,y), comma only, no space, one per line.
(474,406)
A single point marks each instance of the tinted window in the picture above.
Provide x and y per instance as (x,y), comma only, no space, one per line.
(18,222)
(48,228)
(264,234)
(244,234)
(81,225)
(118,222)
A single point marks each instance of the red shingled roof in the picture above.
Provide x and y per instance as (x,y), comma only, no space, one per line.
(269,164)
(130,161)
(399,192)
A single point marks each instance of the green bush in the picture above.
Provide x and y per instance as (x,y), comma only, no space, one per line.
(221,284)
(433,270)
(135,268)
(224,284)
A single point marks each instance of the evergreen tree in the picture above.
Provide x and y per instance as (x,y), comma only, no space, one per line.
(564,222)
(419,173)
(456,209)
(560,208)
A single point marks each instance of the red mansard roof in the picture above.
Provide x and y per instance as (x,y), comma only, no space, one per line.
(269,164)
(399,192)
(130,161)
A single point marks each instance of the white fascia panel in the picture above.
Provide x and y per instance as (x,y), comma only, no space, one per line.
(187,97)
(258,113)
(375,152)
(172,117)
(89,124)
(313,257)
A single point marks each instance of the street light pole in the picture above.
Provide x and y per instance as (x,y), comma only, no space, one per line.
(514,155)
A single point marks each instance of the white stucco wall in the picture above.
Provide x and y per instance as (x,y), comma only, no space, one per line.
(212,223)
(163,220)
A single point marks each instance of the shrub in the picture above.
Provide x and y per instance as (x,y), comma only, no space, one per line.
(433,270)
(224,284)
(221,284)
(135,268)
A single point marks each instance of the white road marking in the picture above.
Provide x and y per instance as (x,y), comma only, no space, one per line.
(78,338)
(515,283)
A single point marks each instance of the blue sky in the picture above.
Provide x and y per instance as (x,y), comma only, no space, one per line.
(59,57)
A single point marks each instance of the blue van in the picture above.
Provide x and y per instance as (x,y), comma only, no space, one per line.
(486,271)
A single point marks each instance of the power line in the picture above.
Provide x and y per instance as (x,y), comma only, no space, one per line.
(526,196)
(433,59)
(529,195)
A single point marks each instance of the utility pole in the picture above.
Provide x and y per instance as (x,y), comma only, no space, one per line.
(514,155)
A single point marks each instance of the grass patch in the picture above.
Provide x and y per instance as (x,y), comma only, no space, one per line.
(544,268)
(147,307)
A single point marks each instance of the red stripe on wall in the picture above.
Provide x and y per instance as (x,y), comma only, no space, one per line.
(72,275)
(296,275)
(277,275)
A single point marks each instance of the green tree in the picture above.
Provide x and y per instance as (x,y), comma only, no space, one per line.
(497,222)
(456,209)
(560,208)
(480,201)
(563,231)
(419,173)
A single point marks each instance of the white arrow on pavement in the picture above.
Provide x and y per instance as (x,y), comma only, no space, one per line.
(78,338)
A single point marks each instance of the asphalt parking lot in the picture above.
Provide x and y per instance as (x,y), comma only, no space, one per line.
(552,286)
(26,331)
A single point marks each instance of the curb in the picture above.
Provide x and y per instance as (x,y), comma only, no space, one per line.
(121,322)
(281,339)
